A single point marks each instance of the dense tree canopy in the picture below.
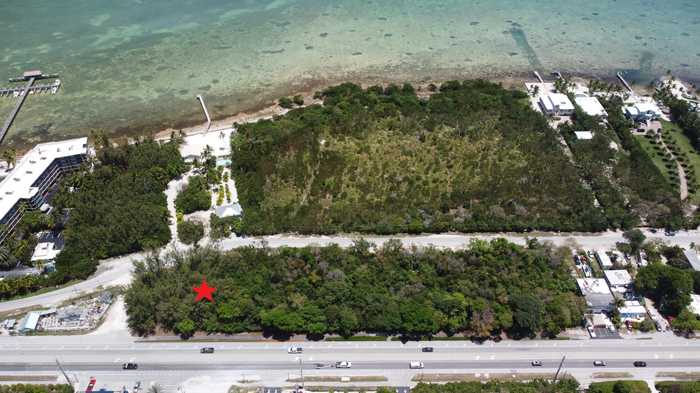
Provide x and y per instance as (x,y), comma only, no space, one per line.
(668,286)
(566,385)
(472,157)
(34,388)
(195,196)
(118,207)
(480,291)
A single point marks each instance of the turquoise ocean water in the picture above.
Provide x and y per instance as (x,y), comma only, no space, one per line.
(137,64)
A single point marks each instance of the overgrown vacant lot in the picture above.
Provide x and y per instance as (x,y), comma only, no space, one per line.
(472,157)
(480,291)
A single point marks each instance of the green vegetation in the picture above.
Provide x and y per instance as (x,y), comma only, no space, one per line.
(688,156)
(32,388)
(652,147)
(195,196)
(478,292)
(190,232)
(668,286)
(619,387)
(564,386)
(116,208)
(649,194)
(221,228)
(472,157)
(678,386)
(286,102)
(686,322)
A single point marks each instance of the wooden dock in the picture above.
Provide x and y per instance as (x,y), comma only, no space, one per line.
(21,94)
(624,82)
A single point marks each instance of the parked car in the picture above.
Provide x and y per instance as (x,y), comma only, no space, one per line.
(295,349)
(599,363)
(130,366)
(536,363)
(640,363)
(427,349)
(343,364)
(415,364)
(207,350)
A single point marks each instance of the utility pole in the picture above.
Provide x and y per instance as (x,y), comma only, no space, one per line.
(559,369)
(301,372)
(63,372)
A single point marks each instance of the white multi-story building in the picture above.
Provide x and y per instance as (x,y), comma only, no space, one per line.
(554,104)
(30,182)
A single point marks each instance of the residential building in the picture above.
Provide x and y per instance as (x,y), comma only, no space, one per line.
(556,104)
(632,311)
(597,294)
(693,259)
(218,142)
(583,135)
(642,111)
(694,305)
(604,259)
(591,106)
(619,280)
(31,181)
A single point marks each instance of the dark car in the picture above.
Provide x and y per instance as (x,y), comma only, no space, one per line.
(130,366)
(536,363)
(207,350)
(427,349)
(640,364)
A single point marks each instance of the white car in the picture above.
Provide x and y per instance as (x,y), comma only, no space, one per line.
(343,364)
(416,364)
(295,350)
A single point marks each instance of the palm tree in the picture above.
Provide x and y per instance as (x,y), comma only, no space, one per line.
(10,155)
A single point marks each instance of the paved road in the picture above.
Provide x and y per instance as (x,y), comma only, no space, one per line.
(118,271)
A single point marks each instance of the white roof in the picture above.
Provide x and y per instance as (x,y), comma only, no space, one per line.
(219,141)
(604,258)
(694,305)
(591,106)
(632,308)
(45,252)
(618,277)
(583,135)
(593,286)
(561,101)
(18,184)
(648,107)
(548,106)
(693,258)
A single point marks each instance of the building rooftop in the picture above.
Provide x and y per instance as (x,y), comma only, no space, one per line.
(593,286)
(591,106)
(18,183)
(561,101)
(583,135)
(603,258)
(694,305)
(618,277)
(45,251)
(693,259)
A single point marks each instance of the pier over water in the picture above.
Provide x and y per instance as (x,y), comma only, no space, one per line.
(21,94)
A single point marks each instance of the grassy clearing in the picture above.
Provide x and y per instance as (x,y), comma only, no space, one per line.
(610,387)
(656,156)
(611,375)
(28,378)
(330,378)
(454,377)
(687,151)
(687,376)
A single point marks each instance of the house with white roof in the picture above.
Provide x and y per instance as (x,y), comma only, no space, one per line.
(694,305)
(556,104)
(692,257)
(591,106)
(604,259)
(597,294)
(583,135)
(632,311)
(642,111)
(30,181)
(619,280)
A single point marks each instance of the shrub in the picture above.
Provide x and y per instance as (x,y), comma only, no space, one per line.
(286,103)
(190,232)
(195,196)
(298,100)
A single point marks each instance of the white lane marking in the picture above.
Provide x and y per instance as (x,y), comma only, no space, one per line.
(656,356)
(492,357)
(478,357)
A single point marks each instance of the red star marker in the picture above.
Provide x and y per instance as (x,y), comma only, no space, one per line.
(204,291)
